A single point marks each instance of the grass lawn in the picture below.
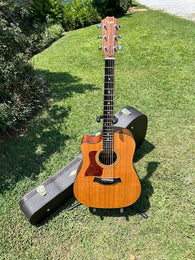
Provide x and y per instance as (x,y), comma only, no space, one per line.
(155,74)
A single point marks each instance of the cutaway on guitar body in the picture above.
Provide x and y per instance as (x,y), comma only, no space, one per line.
(113,185)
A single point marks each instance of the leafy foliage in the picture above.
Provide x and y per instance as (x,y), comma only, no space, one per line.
(41,9)
(79,13)
(42,35)
(22,90)
(110,7)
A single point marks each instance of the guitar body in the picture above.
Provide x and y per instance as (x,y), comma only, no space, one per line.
(102,182)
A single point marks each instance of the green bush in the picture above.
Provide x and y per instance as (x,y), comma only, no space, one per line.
(41,36)
(22,90)
(79,13)
(112,7)
(42,8)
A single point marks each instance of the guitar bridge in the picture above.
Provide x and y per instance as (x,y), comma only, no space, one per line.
(107,181)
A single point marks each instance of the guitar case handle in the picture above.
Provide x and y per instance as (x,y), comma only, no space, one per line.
(98,119)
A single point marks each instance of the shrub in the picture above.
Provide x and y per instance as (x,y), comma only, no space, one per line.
(112,7)
(41,9)
(22,90)
(41,36)
(79,13)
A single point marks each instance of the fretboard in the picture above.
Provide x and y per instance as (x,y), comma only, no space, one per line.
(108,136)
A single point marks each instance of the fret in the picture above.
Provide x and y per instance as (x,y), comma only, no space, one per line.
(109,90)
(109,77)
(107,129)
(109,71)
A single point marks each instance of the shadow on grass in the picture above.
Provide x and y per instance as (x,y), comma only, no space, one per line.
(24,155)
(145,148)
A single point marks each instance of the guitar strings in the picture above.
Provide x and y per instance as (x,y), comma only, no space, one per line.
(108,137)
(112,123)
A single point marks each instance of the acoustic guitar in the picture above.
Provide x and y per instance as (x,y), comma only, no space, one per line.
(106,177)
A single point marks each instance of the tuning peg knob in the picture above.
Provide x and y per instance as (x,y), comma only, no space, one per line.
(119,36)
(99,47)
(120,26)
(119,47)
(99,36)
(99,26)
(115,37)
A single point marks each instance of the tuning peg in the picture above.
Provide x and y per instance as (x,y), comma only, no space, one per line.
(115,37)
(105,26)
(99,36)
(99,26)
(99,47)
(119,36)
(119,47)
(116,26)
(120,26)
(105,48)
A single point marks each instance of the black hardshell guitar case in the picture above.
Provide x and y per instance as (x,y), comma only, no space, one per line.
(53,192)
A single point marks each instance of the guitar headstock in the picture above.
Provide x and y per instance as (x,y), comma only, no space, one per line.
(110,27)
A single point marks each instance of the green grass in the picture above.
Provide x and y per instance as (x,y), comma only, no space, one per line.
(155,74)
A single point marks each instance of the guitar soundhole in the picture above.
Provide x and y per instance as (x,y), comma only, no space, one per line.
(107,157)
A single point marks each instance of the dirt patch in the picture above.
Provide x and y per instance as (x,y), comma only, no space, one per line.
(137,9)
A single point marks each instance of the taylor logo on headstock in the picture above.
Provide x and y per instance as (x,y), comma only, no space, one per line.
(110,27)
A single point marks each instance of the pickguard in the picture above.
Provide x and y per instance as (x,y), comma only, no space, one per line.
(94,169)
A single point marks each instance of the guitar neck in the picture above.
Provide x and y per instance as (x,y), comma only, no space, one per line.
(108,141)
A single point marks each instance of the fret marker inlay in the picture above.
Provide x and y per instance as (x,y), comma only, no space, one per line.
(108,143)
